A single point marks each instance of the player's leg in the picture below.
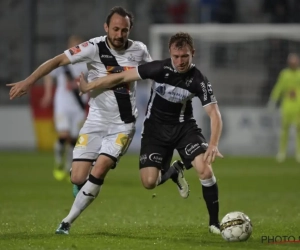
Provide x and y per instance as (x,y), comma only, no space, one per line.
(87,193)
(85,153)
(86,149)
(191,148)
(62,128)
(76,122)
(155,157)
(112,146)
(209,191)
(153,176)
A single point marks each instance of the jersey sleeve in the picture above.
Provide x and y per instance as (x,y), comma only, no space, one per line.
(84,52)
(205,92)
(150,70)
(146,57)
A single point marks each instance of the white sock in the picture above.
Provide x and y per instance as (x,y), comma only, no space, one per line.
(58,152)
(69,158)
(84,198)
(208,182)
(158,178)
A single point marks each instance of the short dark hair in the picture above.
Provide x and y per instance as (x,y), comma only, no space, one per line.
(120,11)
(180,39)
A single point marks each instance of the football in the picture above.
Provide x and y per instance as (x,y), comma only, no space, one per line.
(236,226)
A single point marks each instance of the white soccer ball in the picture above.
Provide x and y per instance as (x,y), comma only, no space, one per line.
(236,226)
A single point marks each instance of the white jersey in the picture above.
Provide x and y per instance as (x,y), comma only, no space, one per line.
(65,98)
(116,105)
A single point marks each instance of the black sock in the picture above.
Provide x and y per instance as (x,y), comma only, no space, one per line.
(62,141)
(210,195)
(73,142)
(81,185)
(171,172)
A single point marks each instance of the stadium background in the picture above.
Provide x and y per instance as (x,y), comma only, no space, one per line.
(242,65)
(241,46)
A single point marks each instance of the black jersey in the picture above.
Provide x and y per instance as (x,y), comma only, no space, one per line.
(172,92)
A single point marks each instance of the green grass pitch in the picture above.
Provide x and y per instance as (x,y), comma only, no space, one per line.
(126,216)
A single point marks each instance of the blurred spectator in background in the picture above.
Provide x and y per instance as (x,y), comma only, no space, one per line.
(275,60)
(69,110)
(178,11)
(287,90)
(208,10)
(278,10)
(158,10)
(295,10)
(226,11)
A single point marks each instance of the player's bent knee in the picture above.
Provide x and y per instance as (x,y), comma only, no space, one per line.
(204,170)
(149,182)
(80,171)
(77,179)
(207,174)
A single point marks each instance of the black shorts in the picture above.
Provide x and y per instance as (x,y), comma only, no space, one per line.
(159,141)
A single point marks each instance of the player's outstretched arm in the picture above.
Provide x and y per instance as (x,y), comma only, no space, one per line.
(109,81)
(216,129)
(21,88)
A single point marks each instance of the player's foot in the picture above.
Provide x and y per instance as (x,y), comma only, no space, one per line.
(63,228)
(59,173)
(280,157)
(214,229)
(179,180)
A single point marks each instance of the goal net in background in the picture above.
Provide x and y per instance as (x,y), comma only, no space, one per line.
(242,62)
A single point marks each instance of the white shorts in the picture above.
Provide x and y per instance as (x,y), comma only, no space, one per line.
(98,137)
(70,121)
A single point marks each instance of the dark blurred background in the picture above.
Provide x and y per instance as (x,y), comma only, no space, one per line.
(241,45)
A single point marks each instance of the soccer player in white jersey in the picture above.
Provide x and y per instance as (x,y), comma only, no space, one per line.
(110,125)
(169,122)
(69,110)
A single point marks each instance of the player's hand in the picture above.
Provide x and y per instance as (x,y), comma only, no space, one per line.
(18,89)
(82,84)
(211,153)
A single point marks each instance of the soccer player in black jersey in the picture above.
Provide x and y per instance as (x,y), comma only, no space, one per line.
(169,122)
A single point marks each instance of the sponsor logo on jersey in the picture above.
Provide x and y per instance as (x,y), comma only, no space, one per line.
(122,139)
(178,97)
(204,91)
(191,148)
(161,89)
(188,81)
(204,145)
(74,50)
(82,141)
(156,157)
(143,158)
(209,88)
(123,88)
(131,58)
(213,98)
(85,44)
(106,56)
